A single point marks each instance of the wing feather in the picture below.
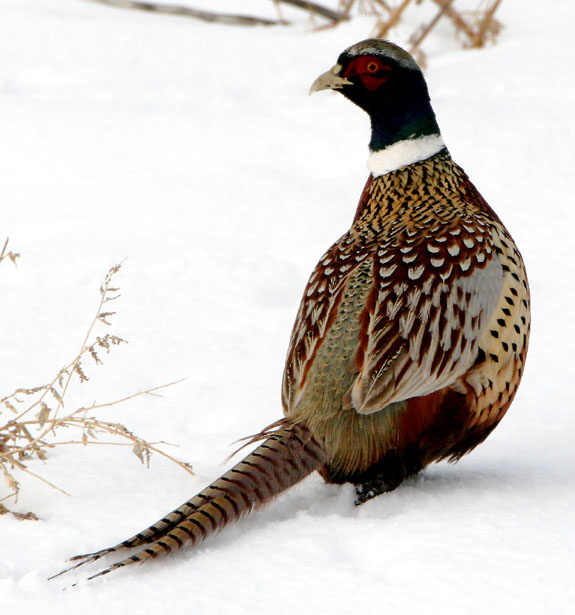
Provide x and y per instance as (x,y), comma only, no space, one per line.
(424,329)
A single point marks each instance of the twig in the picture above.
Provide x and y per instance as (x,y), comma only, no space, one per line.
(184,11)
(318,9)
(456,18)
(479,38)
(47,482)
(393,19)
(64,376)
(150,445)
(71,418)
(99,317)
(11,255)
(4,249)
(419,39)
(151,391)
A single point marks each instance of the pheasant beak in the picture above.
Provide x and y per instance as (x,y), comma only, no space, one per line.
(330,80)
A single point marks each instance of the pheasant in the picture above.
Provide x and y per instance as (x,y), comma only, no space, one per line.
(411,337)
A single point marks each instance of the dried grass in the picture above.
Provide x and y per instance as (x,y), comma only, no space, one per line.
(34,420)
(13,256)
(473,28)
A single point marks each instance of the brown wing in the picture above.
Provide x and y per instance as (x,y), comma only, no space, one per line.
(318,310)
(430,303)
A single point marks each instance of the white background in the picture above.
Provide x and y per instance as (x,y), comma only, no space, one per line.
(193,152)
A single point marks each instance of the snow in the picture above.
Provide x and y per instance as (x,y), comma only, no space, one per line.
(193,152)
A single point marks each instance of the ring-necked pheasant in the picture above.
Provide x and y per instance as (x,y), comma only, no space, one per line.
(411,336)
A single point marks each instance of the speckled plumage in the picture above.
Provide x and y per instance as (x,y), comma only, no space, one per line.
(425,295)
(411,336)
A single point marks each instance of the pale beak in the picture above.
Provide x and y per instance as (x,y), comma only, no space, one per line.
(330,80)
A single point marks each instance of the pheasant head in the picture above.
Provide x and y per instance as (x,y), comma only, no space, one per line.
(386,82)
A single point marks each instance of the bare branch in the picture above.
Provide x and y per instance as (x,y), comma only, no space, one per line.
(456,18)
(427,29)
(393,19)
(486,24)
(318,9)
(184,11)
(10,255)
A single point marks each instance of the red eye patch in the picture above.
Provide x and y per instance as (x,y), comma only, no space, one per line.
(371,71)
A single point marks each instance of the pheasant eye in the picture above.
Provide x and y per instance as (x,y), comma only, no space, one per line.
(372,67)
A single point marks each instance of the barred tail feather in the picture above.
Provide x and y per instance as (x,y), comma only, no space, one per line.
(147,536)
(287,455)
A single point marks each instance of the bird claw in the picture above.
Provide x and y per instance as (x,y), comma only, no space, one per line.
(371,489)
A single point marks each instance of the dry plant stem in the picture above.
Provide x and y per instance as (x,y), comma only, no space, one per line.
(13,256)
(184,11)
(479,38)
(46,482)
(29,516)
(476,33)
(71,420)
(393,19)
(26,434)
(151,446)
(100,316)
(458,21)
(318,9)
(345,6)
(3,253)
(24,469)
(72,367)
(226,18)
(419,39)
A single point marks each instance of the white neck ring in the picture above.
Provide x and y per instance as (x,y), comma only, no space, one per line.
(403,153)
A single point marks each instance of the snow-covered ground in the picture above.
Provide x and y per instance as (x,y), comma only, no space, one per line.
(193,152)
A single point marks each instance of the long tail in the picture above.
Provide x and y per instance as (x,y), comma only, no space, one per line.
(288,454)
